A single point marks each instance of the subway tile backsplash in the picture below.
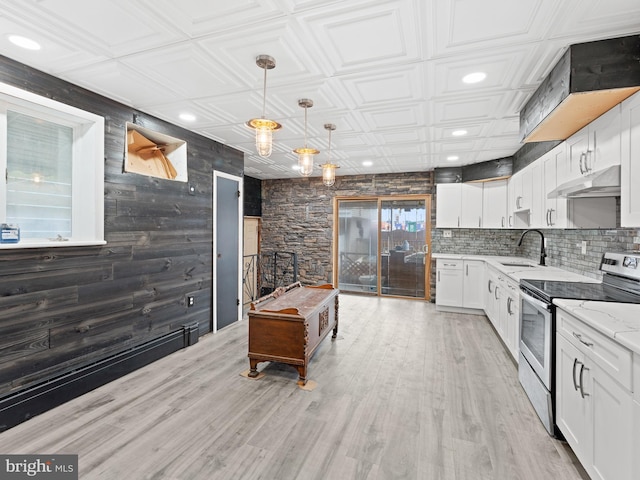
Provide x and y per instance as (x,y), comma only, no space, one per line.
(564,247)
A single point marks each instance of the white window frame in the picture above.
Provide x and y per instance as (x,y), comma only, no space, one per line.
(87,217)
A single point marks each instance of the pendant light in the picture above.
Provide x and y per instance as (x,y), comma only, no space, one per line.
(263,126)
(329,169)
(305,155)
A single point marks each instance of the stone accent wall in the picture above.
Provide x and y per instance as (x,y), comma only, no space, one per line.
(297,214)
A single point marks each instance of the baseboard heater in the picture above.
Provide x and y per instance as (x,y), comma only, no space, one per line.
(34,400)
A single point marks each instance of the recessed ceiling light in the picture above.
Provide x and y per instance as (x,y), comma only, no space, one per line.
(474,77)
(459,133)
(452,158)
(187,117)
(24,42)
(367,163)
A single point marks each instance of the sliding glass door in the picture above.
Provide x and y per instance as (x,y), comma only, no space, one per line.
(357,246)
(403,247)
(383,245)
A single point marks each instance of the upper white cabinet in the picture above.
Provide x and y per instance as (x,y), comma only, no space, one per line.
(459,205)
(630,162)
(595,146)
(494,204)
(554,167)
(448,205)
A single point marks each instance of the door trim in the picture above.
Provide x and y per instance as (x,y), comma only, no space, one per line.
(214,283)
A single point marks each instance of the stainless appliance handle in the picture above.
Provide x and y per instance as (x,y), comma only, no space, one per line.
(582,369)
(536,302)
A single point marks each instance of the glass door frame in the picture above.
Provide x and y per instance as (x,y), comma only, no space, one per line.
(379,199)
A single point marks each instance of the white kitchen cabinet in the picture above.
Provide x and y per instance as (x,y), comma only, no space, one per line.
(472,284)
(494,204)
(520,189)
(594,402)
(554,166)
(595,146)
(471,205)
(571,407)
(491,304)
(459,205)
(630,163)
(449,283)
(459,284)
(537,204)
(512,318)
(448,205)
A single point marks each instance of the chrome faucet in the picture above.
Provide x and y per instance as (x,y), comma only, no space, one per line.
(543,253)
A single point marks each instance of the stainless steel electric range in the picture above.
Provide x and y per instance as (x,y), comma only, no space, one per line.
(536,365)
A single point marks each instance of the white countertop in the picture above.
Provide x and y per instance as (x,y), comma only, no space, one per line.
(620,321)
(533,272)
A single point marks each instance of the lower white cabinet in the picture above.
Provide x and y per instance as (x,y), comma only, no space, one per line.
(459,283)
(594,402)
(449,283)
(502,307)
(472,282)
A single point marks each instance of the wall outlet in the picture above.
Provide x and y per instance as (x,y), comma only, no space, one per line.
(446,233)
(584,247)
(191,301)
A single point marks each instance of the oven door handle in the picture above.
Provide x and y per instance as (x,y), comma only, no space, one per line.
(536,302)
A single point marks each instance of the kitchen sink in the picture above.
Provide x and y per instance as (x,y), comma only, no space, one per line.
(518,265)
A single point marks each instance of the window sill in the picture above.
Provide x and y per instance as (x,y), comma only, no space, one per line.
(44,244)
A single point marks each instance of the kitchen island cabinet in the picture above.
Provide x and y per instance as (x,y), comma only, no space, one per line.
(594,402)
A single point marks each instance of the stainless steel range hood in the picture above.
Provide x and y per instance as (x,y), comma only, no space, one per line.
(603,183)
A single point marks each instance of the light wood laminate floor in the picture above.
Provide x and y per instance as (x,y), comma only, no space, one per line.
(404,392)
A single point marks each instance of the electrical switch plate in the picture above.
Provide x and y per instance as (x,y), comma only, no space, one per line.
(446,233)
(584,247)
(191,301)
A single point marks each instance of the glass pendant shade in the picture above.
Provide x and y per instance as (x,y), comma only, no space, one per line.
(305,160)
(329,174)
(263,126)
(305,155)
(329,169)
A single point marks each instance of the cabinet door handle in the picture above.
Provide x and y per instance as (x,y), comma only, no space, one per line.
(547,217)
(479,222)
(518,202)
(502,222)
(579,337)
(489,286)
(551,210)
(438,275)
(495,292)
(582,369)
(509,302)
(458,221)
(510,220)
(573,375)
(467,273)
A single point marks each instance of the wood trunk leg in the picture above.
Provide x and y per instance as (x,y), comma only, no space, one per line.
(302,373)
(253,368)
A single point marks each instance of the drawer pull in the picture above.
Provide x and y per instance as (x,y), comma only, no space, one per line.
(579,337)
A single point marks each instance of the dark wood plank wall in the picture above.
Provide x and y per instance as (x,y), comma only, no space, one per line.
(65,307)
